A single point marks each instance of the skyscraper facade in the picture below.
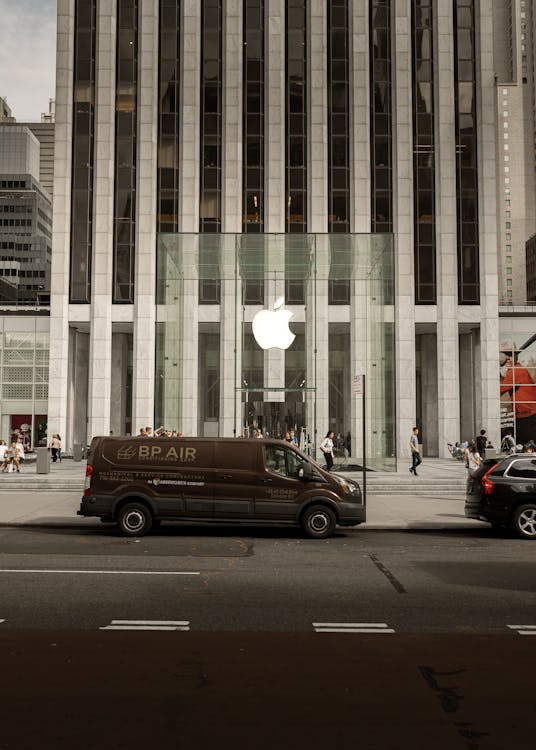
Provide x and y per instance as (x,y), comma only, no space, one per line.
(213,157)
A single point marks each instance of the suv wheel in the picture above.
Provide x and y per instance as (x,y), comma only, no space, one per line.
(524,521)
(134,519)
(319,522)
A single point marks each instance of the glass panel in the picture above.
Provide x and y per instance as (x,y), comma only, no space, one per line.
(243,380)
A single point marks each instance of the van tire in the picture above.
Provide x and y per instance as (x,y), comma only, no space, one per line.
(134,519)
(524,521)
(318,522)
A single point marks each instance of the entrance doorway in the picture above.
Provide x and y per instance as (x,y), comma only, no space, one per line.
(275,418)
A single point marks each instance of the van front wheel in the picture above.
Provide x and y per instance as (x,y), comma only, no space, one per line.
(319,522)
(134,520)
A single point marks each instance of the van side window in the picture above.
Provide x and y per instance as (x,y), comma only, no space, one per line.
(274,459)
(282,461)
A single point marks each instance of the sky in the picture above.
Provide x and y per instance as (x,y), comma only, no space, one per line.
(27,56)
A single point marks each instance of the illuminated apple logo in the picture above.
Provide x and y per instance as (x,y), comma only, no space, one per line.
(270,327)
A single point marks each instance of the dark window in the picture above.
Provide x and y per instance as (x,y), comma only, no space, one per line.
(381,116)
(525,468)
(466,150)
(338,117)
(423,153)
(253,117)
(168,117)
(125,150)
(82,153)
(296,116)
(211,116)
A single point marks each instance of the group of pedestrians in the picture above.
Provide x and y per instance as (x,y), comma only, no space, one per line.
(11,456)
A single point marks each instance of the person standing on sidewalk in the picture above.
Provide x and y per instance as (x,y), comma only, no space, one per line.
(416,459)
(326,446)
(481,442)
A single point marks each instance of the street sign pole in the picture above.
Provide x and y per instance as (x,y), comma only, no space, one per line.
(364,402)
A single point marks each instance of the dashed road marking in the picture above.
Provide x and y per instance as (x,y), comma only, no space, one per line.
(104,572)
(182,625)
(523,629)
(352,627)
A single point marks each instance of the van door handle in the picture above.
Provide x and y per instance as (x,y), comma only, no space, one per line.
(266,480)
(226,476)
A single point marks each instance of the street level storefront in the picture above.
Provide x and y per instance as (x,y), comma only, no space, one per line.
(273,333)
(24,355)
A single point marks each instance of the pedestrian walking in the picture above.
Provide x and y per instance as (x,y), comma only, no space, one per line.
(326,446)
(416,459)
(55,447)
(481,443)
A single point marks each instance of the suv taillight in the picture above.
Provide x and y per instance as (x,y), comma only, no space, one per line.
(488,487)
(87,483)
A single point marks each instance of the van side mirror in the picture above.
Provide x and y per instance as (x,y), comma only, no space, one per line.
(305,472)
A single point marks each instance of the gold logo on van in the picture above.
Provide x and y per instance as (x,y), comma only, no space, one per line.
(127,451)
(183,453)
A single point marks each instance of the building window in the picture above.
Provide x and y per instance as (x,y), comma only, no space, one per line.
(381,119)
(466,152)
(211,116)
(125,150)
(296,116)
(424,153)
(338,117)
(82,155)
(168,117)
(253,117)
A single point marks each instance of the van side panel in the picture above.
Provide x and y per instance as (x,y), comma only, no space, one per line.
(175,475)
(235,478)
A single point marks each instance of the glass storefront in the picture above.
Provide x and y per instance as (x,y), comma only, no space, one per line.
(24,355)
(272,333)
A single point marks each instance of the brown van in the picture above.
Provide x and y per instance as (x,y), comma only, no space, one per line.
(139,482)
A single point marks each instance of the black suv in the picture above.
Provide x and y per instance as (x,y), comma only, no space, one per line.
(502,491)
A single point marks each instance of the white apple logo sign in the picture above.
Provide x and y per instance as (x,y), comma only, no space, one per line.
(270,327)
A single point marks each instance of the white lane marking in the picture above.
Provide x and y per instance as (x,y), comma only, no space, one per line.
(182,625)
(523,629)
(352,627)
(104,572)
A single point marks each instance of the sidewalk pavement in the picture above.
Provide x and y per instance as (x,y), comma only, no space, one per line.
(400,501)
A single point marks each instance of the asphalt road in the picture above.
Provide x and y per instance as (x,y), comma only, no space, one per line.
(199,637)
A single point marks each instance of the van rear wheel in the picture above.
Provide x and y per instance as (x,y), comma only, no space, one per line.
(319,522)
(134,519)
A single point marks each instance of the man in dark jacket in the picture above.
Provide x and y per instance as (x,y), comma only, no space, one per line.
(481,442)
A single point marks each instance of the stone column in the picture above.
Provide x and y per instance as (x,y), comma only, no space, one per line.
(58,375)
(403,227)
(189,210)
(317,309)
(448,370)
(143,376)
(274,170)
(230,339)
(100,341)
(360,202)
(487,207)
